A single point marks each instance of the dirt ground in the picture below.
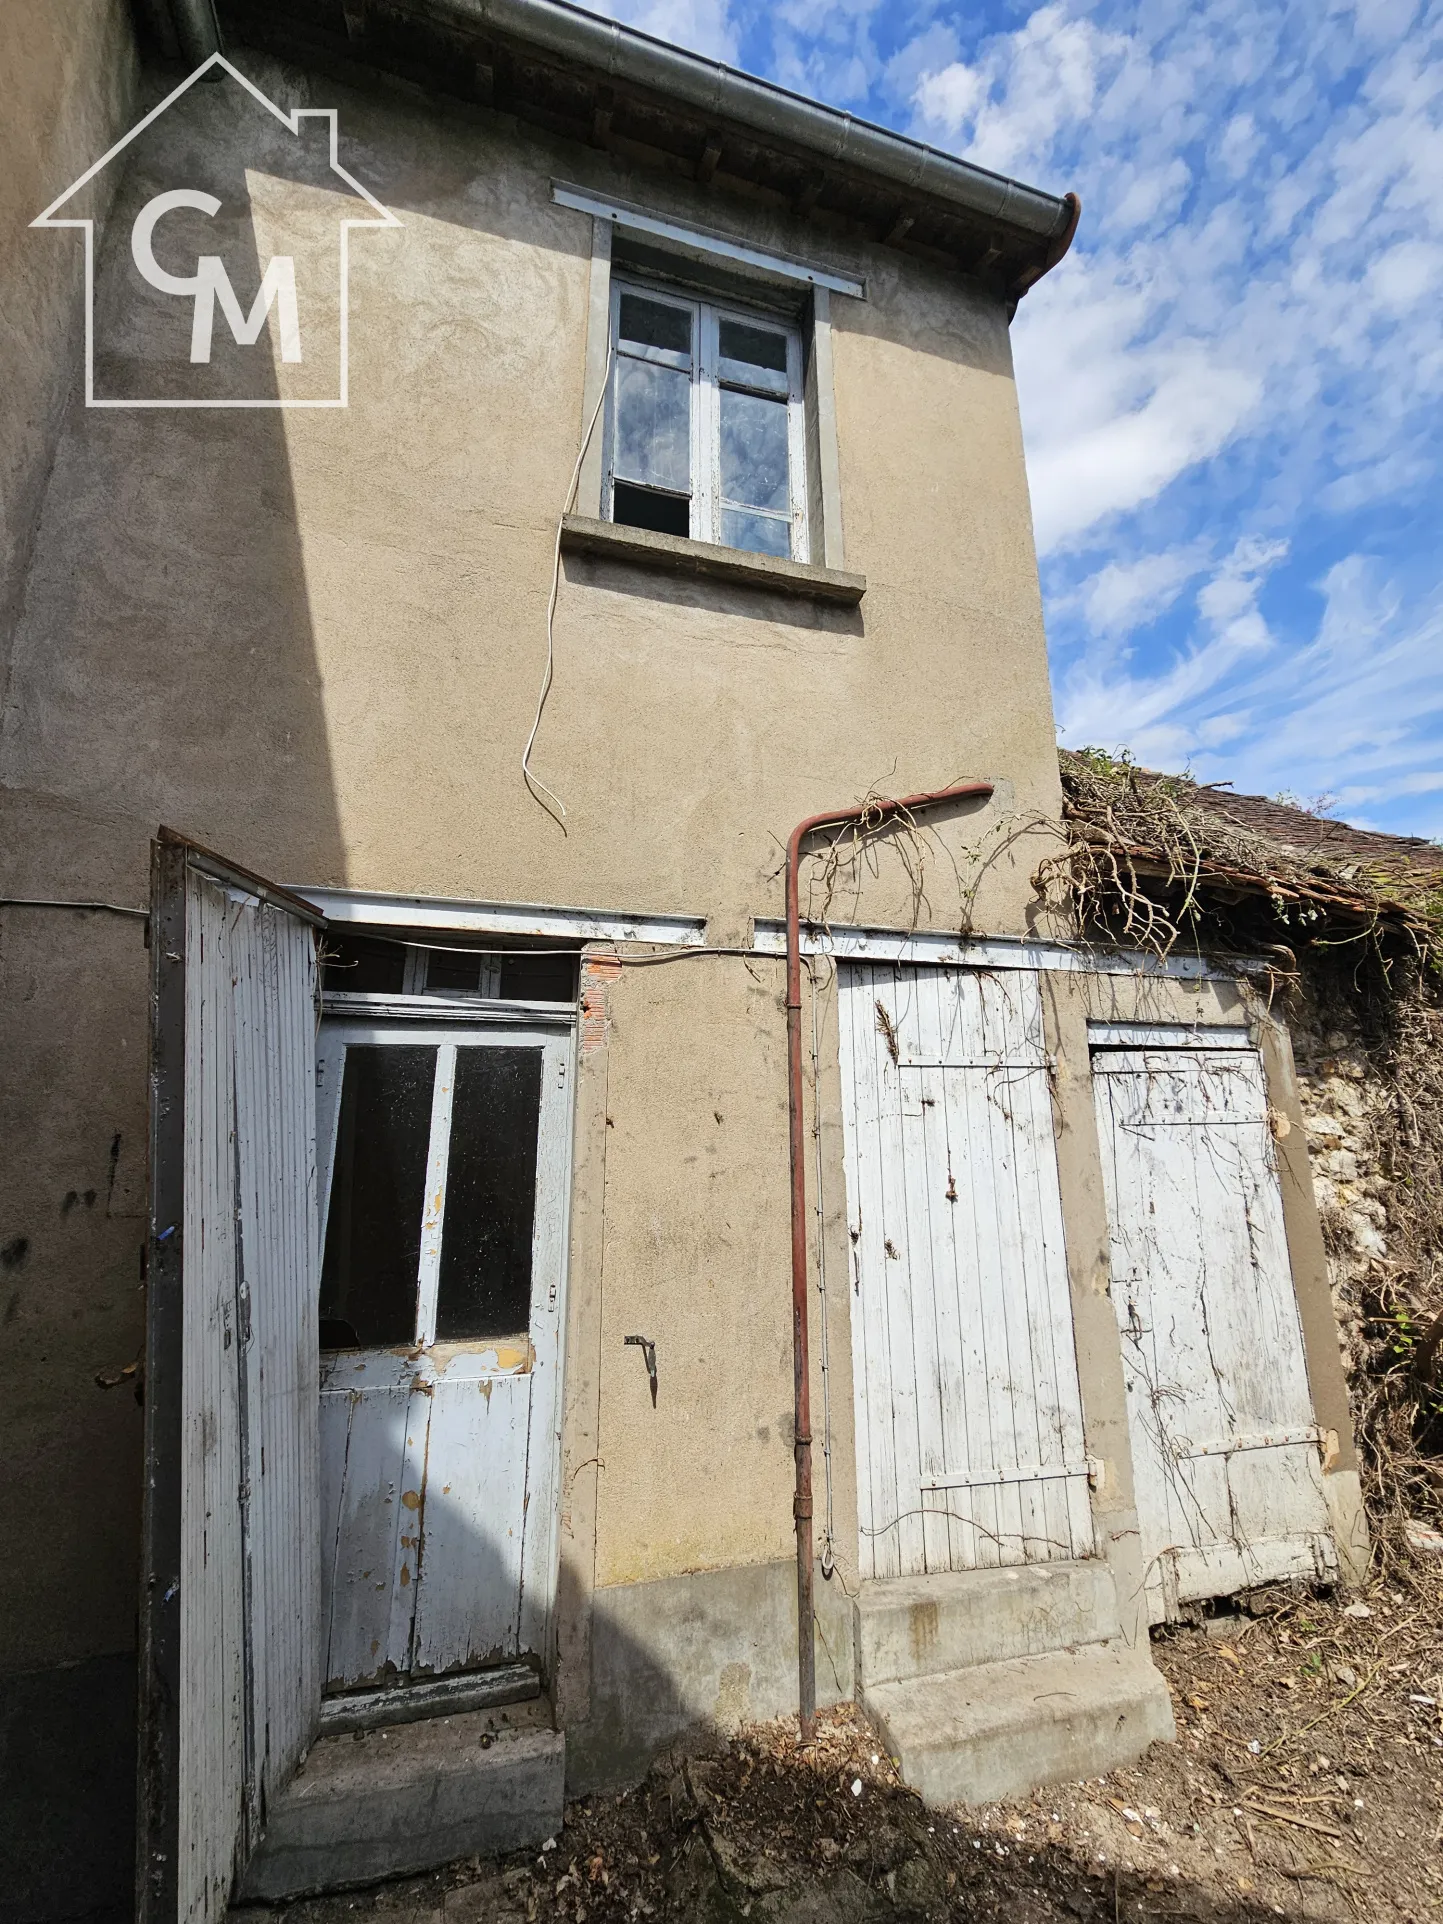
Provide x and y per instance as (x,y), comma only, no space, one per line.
(1306,1783)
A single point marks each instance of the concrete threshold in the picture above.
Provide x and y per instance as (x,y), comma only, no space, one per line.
(413,1703)
(998,1730)
(387,1803)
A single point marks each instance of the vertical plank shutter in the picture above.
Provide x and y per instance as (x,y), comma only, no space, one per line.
(968,1408)
(230,1578)
(1224,1444)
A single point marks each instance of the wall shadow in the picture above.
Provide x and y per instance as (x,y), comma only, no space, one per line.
(164,671)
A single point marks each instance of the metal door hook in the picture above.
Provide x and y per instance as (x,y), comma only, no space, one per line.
(648,1350)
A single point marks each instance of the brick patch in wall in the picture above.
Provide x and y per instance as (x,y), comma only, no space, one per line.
(598,972)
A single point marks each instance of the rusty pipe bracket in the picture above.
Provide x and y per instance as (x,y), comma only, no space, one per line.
(648,1350)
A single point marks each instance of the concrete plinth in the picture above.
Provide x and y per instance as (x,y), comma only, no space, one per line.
(920,1626)
(406,1799)
(1000,1729)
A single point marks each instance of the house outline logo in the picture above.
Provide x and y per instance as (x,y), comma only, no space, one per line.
(210,286)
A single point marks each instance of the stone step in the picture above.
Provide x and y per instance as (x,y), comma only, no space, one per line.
(926,1626)
(409,1798)
(1000,1729)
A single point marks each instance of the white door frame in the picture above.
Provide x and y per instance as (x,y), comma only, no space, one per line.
(436,1022)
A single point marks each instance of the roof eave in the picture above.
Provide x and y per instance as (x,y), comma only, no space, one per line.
(1023,229)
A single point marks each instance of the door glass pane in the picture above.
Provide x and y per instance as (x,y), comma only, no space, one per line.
(757,533)
(754,451)
(653,425)
(373,1227)
(363,965)
(655,324)
(485,1284)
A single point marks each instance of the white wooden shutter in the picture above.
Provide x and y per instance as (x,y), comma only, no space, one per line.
(230,1579)
(1224,1447)
(969,1413)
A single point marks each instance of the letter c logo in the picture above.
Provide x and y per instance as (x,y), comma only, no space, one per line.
(140,238)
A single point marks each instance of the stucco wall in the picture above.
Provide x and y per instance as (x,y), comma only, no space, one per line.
(69,78)
(69,1260)
(313,640)
(344,611)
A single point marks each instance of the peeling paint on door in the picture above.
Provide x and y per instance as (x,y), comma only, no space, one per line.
(1225,1453)
(968,1408)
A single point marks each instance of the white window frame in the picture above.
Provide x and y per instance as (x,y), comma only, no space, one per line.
(707,504)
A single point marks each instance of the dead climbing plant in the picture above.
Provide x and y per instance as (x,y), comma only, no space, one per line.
(1152,860)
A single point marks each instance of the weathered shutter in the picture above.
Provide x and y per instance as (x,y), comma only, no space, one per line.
(230,1578)
(968,1408)
(1225,1449)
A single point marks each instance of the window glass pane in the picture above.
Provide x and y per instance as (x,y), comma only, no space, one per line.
(373,1227)
(653,425)
(757,346)
(454,971)
(654,324)
(363,965)
(643,508)
(538,978)
(754,451)
(485,1286)
(757,533)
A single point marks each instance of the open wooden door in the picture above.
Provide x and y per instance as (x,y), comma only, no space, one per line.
(230,1577)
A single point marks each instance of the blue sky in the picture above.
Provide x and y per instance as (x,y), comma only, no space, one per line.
(1231,388)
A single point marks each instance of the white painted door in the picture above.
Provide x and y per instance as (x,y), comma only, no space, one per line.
(1225,1455)
(230,1576)
(444,1162)
(968,1411)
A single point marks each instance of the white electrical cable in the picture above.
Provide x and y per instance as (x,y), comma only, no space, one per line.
(544,795)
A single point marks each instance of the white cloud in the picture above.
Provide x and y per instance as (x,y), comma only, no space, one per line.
(702,26)
(1161,713)
(948,100)
(1355,712)
(1231,596)
(1128,594)
(1008,110)
(1254,261)
(1239,145)
(1118,463)
(1406,273)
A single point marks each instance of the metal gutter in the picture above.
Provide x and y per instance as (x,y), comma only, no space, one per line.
(196,29)
(627,55)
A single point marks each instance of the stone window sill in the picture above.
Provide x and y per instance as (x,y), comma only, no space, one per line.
(673,554)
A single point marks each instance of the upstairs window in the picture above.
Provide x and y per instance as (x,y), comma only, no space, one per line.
(705,429)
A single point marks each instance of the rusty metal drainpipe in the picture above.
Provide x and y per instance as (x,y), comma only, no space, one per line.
(873,813)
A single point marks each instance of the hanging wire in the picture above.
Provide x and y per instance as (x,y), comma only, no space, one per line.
(37,902)
(547,797)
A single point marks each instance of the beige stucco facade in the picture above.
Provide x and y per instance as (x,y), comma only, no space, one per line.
(313,639)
